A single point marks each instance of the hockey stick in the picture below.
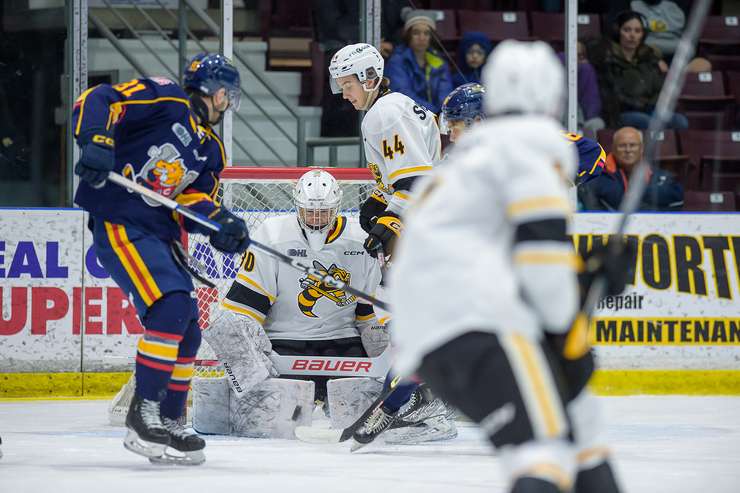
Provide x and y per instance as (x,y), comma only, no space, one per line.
(310,434)
(214,226)
(663,110)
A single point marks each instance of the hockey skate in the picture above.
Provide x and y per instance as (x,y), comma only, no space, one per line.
(425,418)
(185,447)
(146,434)
(379,420)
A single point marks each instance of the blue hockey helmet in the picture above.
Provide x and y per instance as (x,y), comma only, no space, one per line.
(464,103)
(209,72)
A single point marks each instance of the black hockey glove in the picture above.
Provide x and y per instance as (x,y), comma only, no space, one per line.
(599,262)
(233,237)
(371,210)
(383,234)
(576,371)
(96,161)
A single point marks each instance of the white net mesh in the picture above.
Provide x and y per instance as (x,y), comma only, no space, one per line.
(256,194)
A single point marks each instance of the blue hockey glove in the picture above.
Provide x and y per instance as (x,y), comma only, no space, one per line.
(233,237)
(95,163)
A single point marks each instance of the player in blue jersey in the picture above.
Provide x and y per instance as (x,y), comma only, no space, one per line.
(591,157)
(154,132)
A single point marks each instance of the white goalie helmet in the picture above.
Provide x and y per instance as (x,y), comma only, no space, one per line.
(362,60)
(524,77)
(317,198)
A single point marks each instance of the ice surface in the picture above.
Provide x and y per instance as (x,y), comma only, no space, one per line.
(661,444)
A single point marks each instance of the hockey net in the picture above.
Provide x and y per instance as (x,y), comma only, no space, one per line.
(253,194)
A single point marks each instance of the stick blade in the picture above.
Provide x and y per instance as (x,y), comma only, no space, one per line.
(311,434)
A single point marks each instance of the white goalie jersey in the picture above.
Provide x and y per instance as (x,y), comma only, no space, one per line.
(401,141)
(461,264)
(295,306)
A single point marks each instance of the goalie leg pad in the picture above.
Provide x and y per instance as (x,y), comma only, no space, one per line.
(272,409)
(239,351)
(211,398)
(348,398)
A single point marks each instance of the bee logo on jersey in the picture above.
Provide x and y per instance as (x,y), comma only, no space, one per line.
(164,172)
(375,170)
(314,289)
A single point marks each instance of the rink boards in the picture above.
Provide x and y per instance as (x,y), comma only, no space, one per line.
(66,330)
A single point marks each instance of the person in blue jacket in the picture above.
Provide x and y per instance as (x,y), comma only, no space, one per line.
(155,133)
(415,69)
(472,53)
(606,191)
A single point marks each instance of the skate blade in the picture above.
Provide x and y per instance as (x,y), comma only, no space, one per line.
(133,443)
(357,445)
(366,447)
(172,456)
(434,431)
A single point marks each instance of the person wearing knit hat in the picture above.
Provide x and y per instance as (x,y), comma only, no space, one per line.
(415,69)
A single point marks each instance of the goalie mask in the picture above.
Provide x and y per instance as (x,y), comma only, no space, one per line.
(317,199)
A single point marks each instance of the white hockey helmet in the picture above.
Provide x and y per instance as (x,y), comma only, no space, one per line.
(362,60)
(524,77)
(317,198)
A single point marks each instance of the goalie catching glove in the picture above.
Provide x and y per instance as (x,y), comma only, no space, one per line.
(383,234)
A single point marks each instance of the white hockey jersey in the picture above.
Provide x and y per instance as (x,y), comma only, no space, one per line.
(458,268)
(401,140)
(292,305)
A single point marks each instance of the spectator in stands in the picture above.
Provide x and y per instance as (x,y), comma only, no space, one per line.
(666,21)
(631,74)
(589,99)
(471,56)
(606,191)
(415,69)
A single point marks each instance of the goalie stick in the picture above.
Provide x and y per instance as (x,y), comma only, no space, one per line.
(663,110)
(310,434)
(214,226)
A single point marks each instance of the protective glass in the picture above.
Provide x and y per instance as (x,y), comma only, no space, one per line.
(235,95)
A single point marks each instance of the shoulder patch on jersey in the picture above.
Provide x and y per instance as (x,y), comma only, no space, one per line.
(181,133)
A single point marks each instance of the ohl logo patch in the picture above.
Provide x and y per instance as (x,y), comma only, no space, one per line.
(164,172)
(314,289)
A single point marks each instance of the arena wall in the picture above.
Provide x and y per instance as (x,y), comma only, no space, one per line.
(67,330)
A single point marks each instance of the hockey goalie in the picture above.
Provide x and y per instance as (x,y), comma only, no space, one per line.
(274,309)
